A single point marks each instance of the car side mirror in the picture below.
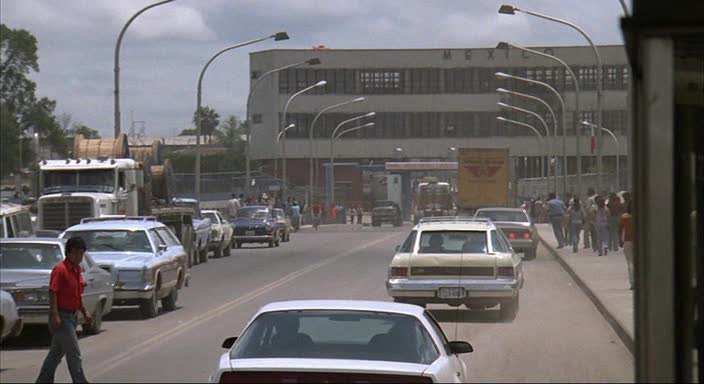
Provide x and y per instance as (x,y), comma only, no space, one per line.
(163,247)
(398,247)
(229,342)
(460,347)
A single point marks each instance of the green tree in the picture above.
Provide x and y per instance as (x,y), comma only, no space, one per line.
(188,132)
(231,132)
(209,121)
(87,132)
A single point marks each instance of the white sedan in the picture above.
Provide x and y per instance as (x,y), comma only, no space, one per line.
(341,341)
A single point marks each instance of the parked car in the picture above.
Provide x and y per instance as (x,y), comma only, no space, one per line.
(201,225)
(220,233)
(180,221)
(10,321)
(145,259)
(516,225)
(26,265)
(284,224)
(385,211)
(341,341)
(15,221)
(457,261)
(256,224)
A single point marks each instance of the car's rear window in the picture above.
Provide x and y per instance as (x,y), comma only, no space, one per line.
(452,242)
(516,216)
(322,334)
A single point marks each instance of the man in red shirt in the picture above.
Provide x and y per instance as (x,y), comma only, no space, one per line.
(65,291)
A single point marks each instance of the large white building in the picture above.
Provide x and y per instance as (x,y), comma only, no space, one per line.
(428,101)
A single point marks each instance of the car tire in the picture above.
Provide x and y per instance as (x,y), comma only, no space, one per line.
(271,244)
(217,252)
(193,256)
(149,307)
(169,302)
(97,321)
(277,242)
(376,224)
(238,244)
(203,255)
(530,254)
(227,251)
(509,308)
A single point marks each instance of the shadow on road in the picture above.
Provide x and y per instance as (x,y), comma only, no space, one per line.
(32,337)
(461,315)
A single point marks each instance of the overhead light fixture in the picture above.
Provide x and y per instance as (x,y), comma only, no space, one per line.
(281,36)
(508,9)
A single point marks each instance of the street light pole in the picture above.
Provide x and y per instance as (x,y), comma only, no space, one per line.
(575,83)
(248,118)
(501,75)
(199,115)
(551,152)
(618,149)
(117,62)
(311,166)
(282,154)
(541,141)
(510,10)
(333,137)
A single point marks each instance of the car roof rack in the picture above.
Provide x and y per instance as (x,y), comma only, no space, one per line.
(453,219)
(117,217)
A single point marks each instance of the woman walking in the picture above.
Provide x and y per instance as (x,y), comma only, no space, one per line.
(601,219)
(577,218)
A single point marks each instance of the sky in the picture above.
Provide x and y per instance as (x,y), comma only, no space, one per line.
(165,48)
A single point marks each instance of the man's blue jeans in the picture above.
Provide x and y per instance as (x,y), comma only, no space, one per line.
(556,222)
(64,342)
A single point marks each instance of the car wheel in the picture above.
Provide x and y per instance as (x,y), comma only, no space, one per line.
(97,321)
(149,307)
(203,255)
(169,302)
(529,254)
(217,252)
(509,309)
(228,250)
(271,244)
(238,244)
(194,257)
(277,242)
(375,224)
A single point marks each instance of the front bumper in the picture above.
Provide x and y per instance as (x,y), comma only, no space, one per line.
(473,288)
(34,314)
(253,239)
(122,294)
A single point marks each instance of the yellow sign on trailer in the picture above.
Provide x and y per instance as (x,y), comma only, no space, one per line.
(482,178)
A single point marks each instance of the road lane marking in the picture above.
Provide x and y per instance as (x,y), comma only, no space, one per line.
(163,337)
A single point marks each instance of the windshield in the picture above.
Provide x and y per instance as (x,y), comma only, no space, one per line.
(435,188)
(357,335)
(452,242)
(516,216)
(89,180)
(210,215)
(252,213)
(30,256)
(113,240)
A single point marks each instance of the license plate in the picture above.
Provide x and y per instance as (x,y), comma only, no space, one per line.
(249,233)
(451,293)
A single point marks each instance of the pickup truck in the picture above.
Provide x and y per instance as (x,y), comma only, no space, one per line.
(201,226)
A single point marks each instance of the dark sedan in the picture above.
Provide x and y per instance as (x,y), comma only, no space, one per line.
(256,224)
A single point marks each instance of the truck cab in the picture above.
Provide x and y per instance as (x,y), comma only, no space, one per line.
(73,189)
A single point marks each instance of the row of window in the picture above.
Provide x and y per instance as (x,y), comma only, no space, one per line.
(441,80)
(401,125)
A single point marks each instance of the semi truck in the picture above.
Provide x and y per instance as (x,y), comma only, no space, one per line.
(483,179)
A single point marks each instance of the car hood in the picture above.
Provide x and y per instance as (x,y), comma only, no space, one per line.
(121,259)
(243,222)
(24,278)
(327,365)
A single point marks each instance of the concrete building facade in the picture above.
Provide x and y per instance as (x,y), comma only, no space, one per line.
(428,101)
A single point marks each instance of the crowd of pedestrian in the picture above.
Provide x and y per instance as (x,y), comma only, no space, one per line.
(603,220)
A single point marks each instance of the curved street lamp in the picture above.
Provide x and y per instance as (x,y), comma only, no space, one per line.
(501,75)
(282,154)
(250,124)
(511,10)
(550,150)
(312,168)
(540,141)
(116,68)
(575,83)
(278,137)
(334,137)
(199,115)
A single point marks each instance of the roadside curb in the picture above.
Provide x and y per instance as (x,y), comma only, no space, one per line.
(620,330)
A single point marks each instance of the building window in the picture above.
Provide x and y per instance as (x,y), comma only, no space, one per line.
(425,124)
(458,80)
(624,77)
(424,80)
(587,77)
(257,118)
(255,75)
(381,81)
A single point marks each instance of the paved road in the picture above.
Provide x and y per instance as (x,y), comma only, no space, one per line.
(558,335)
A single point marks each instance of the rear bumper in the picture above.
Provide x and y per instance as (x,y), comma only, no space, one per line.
(253,239)
(523,245)
(474,288)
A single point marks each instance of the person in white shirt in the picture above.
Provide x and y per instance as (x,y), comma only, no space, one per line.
(234,205)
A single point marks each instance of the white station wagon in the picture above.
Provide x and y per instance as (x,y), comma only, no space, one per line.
(455,261)
(341,341)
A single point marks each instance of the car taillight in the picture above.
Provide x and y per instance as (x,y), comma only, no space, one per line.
(511,235)
(526,235)
(505,271)
(398,272)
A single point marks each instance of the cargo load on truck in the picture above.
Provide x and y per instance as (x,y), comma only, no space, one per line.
(483,178)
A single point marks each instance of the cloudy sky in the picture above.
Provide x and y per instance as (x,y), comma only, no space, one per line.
(166,47)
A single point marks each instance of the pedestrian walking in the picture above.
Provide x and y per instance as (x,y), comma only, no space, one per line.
(577,218)
(556,211)
(627,239)
(234,205)
(316,211)
(590,235)
(360,212)
(601,221)
(333,213)
(615,211)
(295,215)
(65,289)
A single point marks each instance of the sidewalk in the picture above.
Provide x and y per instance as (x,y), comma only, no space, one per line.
(604,279)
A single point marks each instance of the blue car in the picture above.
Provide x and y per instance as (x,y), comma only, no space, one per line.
(256,224)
